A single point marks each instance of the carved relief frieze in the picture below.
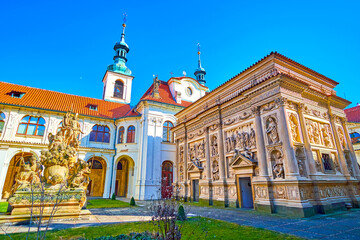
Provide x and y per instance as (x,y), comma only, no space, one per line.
(261,192)
(306,192)
(327,191)
(319,133)
(341,137)
(241,138)
(314,112)
(271,129)
(232,191)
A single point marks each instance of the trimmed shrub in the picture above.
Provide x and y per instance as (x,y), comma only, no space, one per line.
(113,197)
(181,213)
(132,201)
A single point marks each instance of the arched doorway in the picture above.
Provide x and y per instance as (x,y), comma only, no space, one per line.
(14,167)
(166,179)
(97,177)
(122,175)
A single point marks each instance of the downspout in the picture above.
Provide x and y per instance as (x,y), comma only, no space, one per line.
(112,164)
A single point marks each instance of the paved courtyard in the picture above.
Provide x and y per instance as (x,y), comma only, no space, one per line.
(340,225)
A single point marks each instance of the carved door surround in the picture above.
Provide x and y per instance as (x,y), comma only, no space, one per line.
(238,188)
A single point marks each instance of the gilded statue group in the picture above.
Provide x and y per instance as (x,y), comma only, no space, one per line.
(58,166)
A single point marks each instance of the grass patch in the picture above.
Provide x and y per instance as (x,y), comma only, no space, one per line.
(194,228)
(3,207)
(106,203)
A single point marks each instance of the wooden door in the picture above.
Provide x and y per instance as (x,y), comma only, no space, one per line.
(122,177)
(167,180)
(246,192)
(97,177)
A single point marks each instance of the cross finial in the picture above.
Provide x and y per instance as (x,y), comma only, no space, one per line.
(124,19)
(198,45)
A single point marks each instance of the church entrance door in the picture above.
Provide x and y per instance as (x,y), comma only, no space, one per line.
(97,177)
(196,191)
(167,180)
(122,175)
(246,192)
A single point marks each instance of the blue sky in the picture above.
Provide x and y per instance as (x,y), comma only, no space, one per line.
(66,46)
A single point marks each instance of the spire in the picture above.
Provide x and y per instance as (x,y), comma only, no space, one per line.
(200,72)
(121,50)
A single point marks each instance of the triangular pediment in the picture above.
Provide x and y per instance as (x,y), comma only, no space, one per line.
(239,161)
(194,166)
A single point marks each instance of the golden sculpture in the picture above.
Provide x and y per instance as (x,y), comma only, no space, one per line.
(58,174)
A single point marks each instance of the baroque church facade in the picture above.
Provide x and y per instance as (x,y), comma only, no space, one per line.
(273,138)
(131,150)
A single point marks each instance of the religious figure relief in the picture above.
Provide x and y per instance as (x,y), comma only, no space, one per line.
(252,138)
(215,170)
(272,131)
(201,149)
(294,127)
(313,131)
(192,151)
(156,85)
(278,165)
(214,146)
(228,146)
(181,171)
(326,134)
(239,140)
(341,137)
(181,158)
(300,157)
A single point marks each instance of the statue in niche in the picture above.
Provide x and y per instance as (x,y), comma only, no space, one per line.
(278,166)
(214,146)
(272,131)
(300,157)
(181,170)
(215,170)
(228,144)
(181,154)
(233,141)
(294,128)
(252,138)
(341,137)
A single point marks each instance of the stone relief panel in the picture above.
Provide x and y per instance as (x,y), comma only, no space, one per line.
(294,127)
(271,129)
(241,138)
(261,192)
(277,163)
(349,163)
(327,191)
(316,113)
(319,133)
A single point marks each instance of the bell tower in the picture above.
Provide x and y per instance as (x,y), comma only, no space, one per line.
(118,80)
(200,71)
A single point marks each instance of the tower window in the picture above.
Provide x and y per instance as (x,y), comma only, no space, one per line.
(119,89)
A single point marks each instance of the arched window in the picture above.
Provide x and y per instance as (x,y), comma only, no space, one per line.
(31,126)
(95,164)
(131,134)
(121,135)
(119,166)
(2,121)
(167,133)
(100,134)
(119,89)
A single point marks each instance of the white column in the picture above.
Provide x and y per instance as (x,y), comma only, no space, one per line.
(290,161)
(260,144)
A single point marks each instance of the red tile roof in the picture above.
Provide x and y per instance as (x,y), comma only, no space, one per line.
(50,100)
(165,95)
(353,114)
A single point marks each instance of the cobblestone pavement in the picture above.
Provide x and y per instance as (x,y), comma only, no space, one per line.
(340,225)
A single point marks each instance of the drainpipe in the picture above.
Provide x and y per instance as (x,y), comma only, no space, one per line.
(112,164)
